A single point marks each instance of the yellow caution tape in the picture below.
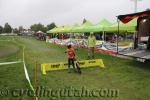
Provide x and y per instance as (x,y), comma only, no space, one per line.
(64,65)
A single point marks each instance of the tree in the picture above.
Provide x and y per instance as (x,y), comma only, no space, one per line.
(15,30)
(1,29)
(84,20)
(38,27)
(51,26)
(7,28)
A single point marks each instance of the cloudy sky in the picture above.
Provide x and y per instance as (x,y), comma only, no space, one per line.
(64,12)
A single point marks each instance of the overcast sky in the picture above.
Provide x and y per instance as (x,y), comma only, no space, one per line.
(64,12)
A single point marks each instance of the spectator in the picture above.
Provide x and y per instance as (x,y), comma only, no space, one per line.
(91,45)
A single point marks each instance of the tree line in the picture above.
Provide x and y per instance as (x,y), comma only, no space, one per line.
(6,29)
(35,27)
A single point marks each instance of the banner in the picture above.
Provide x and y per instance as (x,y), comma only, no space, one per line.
(64,65)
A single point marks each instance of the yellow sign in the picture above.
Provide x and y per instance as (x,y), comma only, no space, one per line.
(64,65)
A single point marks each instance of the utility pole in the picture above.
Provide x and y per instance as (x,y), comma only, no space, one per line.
(135,4)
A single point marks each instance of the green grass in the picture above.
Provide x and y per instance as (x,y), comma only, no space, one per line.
(130,77)
(12,77)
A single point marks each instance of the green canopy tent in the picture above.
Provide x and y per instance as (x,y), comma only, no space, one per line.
(81,28)
(93,28)
(75,26)
(54,30)
(89,27)
(67,29)
(129,27)
(99,27)
(60,29)
(104,24)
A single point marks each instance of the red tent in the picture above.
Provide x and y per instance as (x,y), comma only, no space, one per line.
(128,17)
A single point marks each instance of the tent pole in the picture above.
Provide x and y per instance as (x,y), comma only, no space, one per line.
(103,36)
(70,39)
(118,35)
(135,40)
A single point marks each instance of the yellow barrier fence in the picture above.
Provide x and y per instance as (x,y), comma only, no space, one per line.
(64,65)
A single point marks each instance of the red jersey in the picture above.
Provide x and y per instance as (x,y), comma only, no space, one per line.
(70,53)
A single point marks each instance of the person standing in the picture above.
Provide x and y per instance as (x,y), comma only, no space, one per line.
(72,60)
(91,45)
(71,56)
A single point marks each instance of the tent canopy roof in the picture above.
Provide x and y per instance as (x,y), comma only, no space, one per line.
(128,17)
(104,23)
(129,27)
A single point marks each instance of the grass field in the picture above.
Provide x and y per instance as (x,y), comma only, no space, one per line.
(131,78)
